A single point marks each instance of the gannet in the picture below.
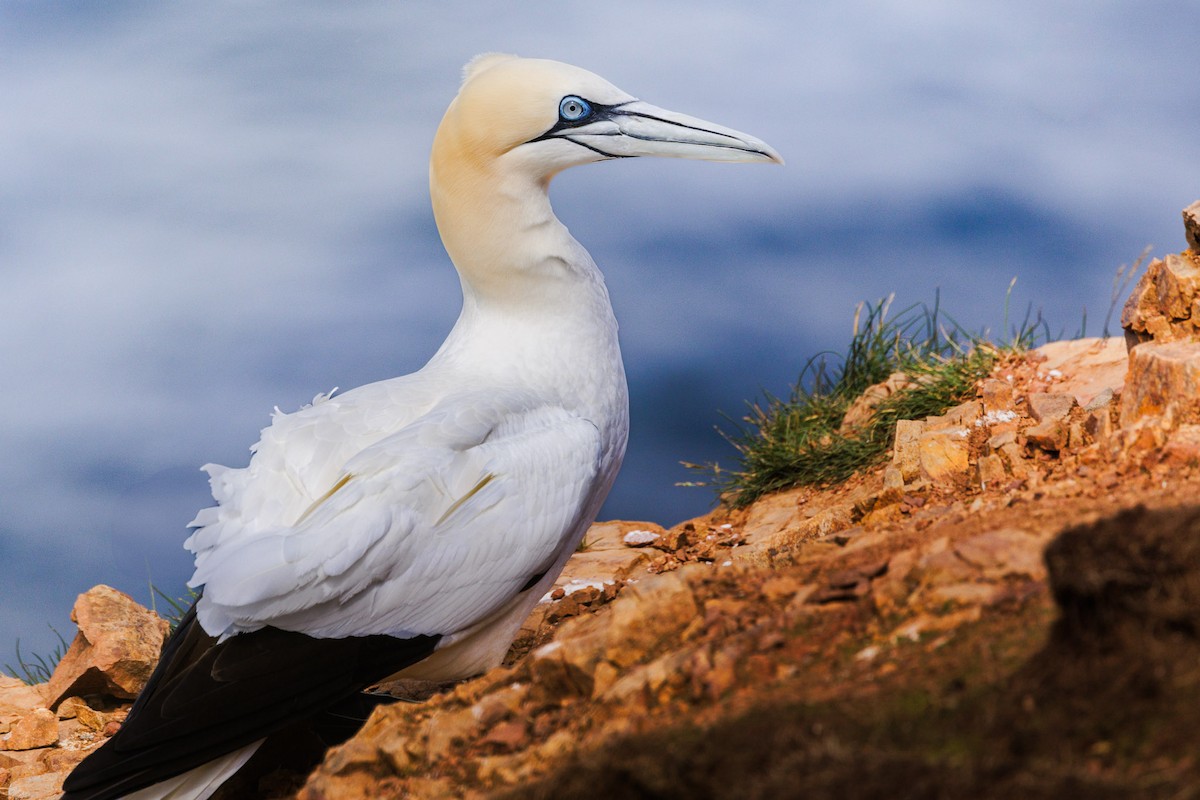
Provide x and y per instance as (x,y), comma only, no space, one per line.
(406,528)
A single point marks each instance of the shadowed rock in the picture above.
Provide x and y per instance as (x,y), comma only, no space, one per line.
(117,646)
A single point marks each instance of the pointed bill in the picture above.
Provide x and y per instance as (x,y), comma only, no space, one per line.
(636,128)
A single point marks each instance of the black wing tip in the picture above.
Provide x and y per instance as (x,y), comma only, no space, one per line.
(193,712)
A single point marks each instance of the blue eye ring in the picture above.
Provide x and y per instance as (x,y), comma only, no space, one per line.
(572,108)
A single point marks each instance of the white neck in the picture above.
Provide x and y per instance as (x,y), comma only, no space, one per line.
(535,307)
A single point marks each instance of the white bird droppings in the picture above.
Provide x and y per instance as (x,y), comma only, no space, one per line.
(993,417)
(547,649)
(867,653)
(574,585)
(640,538)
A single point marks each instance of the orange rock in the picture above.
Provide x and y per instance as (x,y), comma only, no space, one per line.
(944,567)
(928,623)
(445,729)
(610,535)
(512,734)
(781,588)
(944,455)
(772,514)
(566,665)
(1004,552)
(645,614)
(780,548)
(601,566)
(60,759)
(1099,424)
(968,572)
(1089,368)
(996,395)
(1177,285)
(641,684)
(1017,464)
(991,471)
(962,415)
(893,486)
(1163,385)
(117,646)
(1050,435)
(38,728)
(91,719)
(17,697)
(998,441)
(824,522)
(1160,306)
(967,594)
(892,588)
(1076,436)
(504,769)
(69,708)
(1144,438)
(678,536)
(906,450)
(37,787)
(1050,406)
(723,675)
(500,704)
(604,676)
(1191,226)
(1183,447)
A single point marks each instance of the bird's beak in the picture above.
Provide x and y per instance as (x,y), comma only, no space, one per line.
(635,128)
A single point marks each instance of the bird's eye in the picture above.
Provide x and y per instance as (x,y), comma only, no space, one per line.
(573,109)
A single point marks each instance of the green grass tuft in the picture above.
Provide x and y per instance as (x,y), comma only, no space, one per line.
(38,668)
(783,443)
(179,605)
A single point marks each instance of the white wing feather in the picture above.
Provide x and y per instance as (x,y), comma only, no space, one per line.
(429,530)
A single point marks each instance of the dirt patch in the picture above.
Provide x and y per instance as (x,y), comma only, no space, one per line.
(1105,708)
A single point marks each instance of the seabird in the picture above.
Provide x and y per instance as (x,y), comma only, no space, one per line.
(406,528)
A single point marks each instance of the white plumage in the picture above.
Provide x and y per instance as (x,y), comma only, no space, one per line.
(431,529)
(438,507)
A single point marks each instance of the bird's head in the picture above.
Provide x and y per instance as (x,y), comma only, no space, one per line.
(542,116)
